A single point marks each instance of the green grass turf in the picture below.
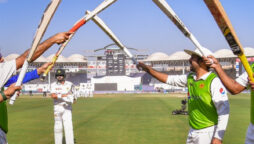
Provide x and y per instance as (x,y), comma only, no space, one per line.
(118,119)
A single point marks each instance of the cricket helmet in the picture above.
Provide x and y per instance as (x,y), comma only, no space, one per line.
(60,72)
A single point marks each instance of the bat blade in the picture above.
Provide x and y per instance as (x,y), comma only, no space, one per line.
(225,25)
(45,20)
(229,33)
(164,6)
(113,37)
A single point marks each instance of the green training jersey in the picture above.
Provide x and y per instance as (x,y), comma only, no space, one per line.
(252,102)
(202,112)
(3,116)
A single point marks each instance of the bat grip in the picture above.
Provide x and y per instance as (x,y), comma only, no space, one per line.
(247,66)
(49,68)
(77,25)
(134,60)
(19,81)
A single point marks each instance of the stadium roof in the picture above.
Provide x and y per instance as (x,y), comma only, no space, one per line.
(77,58)
(60,58)
(41,59)
(158,56)
(180,55)
(72,58)
(248,51)
(224,53)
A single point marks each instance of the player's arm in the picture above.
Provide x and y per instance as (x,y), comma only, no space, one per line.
(58,38)
(220,100)
(69,97)
(53,93)
(231,85)
(29,75)
(179,80)
(58,96)
(158,75)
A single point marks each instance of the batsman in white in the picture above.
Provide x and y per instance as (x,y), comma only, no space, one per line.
(63,93)
(208,104)
(8,68)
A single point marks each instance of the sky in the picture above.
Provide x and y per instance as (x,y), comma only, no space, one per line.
(137,23)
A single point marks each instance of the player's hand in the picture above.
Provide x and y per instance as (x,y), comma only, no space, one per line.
(9,92)
(211,61)
(60,38)
(216,141)
(142,66)
(43,68)
(251,83)
(54,95)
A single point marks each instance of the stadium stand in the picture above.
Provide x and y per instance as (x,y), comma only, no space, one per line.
(81,70)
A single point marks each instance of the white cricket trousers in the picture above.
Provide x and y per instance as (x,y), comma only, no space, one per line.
(3,139)
(63,118)
(250,135)
(202,136)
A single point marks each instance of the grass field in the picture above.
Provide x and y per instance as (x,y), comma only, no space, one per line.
(118,119)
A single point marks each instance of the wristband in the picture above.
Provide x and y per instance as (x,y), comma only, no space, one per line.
(3,95)
(59,96)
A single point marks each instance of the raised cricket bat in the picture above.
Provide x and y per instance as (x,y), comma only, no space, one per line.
(76,26)
(229,33)
(164,6)
(108,31)
(45,20)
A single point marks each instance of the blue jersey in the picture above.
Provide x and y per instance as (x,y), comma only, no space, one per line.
(28,77)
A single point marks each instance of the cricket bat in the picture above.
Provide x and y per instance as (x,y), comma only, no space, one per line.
(164,6)
(45,20)
(229,33)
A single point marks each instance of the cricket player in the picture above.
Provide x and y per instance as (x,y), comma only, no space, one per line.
(8,68)
(208,105)
(62,92)
(235,87)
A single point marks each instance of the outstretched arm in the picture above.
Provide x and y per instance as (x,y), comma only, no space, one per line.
(231,85)
(158,75)
(58,38)
(29,75)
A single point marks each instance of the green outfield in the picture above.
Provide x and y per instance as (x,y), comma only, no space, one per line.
(118,119)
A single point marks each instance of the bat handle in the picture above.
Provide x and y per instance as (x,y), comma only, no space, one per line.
(136,63)
(46,72)
(19,81)
(49,68)
(77,25)
(12,100)
(134,60)
(247,67)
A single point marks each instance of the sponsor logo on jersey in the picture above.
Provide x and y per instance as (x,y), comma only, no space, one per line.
(222,91)
(202,85)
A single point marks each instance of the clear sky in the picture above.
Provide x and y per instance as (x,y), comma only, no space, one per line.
(137,23)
